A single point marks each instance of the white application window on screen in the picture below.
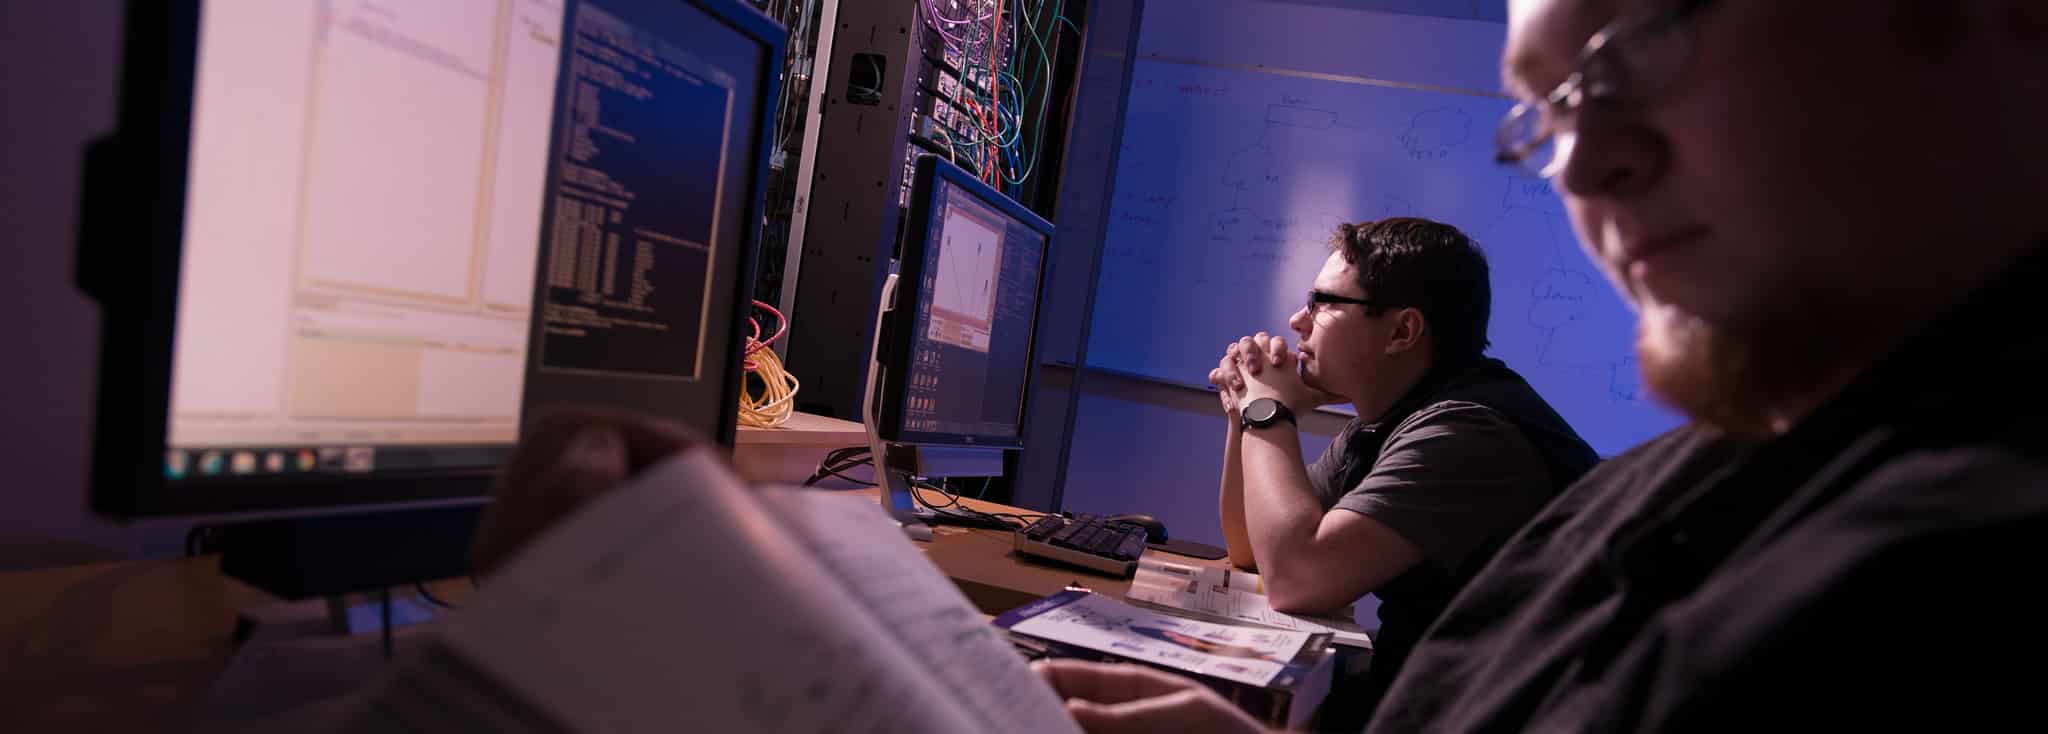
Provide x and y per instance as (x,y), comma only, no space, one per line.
(963,285)
(364,207)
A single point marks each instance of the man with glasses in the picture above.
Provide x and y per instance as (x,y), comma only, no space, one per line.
(1829,215)
(1451,451)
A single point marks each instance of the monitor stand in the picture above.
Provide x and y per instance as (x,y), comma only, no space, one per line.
(894,483)
(305,661)
(340,622)
(894,488)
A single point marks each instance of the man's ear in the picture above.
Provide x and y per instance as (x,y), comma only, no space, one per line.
(1409,330)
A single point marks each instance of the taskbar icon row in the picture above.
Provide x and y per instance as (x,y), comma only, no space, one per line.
(268,461)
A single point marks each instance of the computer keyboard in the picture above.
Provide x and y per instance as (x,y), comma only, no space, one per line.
(1086,541)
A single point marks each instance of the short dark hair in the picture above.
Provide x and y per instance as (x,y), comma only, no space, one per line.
(1409,262)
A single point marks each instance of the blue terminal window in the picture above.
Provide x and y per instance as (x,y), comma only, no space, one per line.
(637,199)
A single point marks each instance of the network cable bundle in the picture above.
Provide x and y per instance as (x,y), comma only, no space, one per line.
(772,404)
(984,98)
(984,84)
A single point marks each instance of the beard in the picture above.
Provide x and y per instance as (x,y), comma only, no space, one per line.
(1745,379)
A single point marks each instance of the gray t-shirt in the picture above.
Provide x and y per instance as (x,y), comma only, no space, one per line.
(1457,475)
(1450,477)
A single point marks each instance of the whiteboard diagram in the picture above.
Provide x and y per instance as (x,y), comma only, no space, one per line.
(1231,182)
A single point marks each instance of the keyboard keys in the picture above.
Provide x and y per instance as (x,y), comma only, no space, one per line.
(1106,541)
(1086,540)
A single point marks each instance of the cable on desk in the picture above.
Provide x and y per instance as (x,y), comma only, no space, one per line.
(195,540)
(428,595)
(917,487)
(953,501)
(1027,518)
(848,478)
(384,596)
(836,462)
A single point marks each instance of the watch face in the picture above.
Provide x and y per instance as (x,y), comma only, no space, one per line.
(1261,410)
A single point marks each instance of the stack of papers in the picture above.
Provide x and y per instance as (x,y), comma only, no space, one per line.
(1230,597)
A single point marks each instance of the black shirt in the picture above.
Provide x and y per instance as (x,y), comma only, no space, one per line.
(1876,566)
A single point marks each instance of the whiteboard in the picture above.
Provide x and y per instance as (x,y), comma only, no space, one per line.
(1232,177)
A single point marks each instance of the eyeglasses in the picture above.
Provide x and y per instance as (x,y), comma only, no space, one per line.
(1632,60)
(1316,298)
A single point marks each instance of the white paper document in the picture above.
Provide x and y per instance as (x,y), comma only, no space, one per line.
(1227,595)
(1250,655)
(687,601)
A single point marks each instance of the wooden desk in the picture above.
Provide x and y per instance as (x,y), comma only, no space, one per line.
(124,646)
(790,452)
(137,645)
(986,566)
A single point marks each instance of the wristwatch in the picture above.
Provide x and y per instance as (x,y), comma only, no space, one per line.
(1263,412)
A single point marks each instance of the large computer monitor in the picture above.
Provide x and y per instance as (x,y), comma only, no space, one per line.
(957,353)
(343,245)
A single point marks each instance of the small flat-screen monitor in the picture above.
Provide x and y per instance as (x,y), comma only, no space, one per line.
(959,356)
(370,236)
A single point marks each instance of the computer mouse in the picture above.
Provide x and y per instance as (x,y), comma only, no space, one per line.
(1155,531)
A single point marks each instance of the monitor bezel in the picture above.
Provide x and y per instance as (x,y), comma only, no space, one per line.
(134,198)
(931,170)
